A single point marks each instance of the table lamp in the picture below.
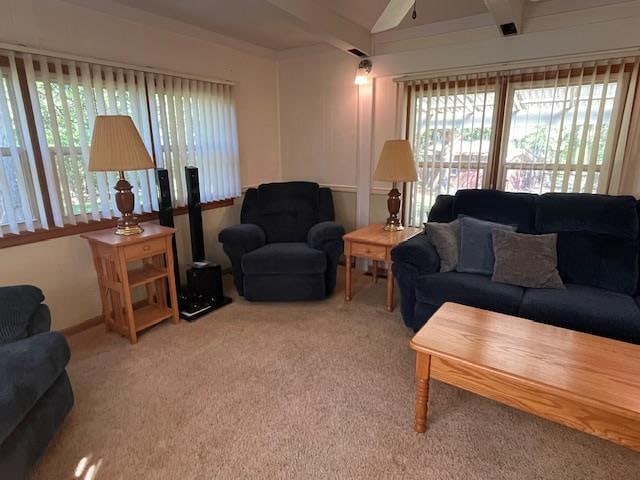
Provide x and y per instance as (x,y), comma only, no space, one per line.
(116,146)
(395,165)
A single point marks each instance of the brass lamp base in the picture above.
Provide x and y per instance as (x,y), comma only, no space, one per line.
(393,205)
(128,224)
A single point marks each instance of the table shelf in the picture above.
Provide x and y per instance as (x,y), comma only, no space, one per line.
(146,274)
(149,315)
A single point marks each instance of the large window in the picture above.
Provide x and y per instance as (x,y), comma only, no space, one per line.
(452,129)
(187,123)
(537,131)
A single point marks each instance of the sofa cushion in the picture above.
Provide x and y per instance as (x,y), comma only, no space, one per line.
(475,251)
(27,369)
(597,238)
(598,261)
(585,309)
(288,210)
(517,209)
(468,289)
(284,258)
(582,212)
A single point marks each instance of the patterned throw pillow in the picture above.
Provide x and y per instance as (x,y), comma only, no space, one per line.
(444,238)
(526,260)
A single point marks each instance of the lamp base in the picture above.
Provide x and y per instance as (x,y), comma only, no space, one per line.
(390,227)
(128,224)
(128,230)
(394,224)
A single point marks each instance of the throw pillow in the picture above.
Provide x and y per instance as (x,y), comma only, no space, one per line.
(475,252)
(526,260)
(444,238)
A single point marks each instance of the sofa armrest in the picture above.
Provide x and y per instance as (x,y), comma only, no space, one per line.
(418,252)
(28,368)
(241,239)
(18,304)
(323,234)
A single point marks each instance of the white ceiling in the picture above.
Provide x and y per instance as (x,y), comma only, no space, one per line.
(261,23)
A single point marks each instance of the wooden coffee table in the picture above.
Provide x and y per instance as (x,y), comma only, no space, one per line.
(582,381)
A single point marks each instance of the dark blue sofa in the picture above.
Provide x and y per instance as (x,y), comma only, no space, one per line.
(287,246)
(598,259)
(35,393)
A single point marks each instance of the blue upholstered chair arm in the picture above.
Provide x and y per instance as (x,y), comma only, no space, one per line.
(418,252)
(323,234)
(28,368)
(20,311)
(40,321)
(241,239)
(237,241)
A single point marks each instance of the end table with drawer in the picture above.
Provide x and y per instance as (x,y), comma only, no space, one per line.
(374,243)
(152,254)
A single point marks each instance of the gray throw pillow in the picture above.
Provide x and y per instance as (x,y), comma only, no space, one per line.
(475,252)
(444,238)
(526,260)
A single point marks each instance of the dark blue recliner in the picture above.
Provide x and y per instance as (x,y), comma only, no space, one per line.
(598,260)
(287,246)
(35,393)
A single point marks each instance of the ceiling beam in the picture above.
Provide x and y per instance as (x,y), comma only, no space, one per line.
(333,28)
(506,11)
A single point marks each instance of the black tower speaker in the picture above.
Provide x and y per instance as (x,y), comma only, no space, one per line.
(195,214)
(165,213)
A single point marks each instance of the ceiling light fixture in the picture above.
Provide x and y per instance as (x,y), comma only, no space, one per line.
(362,74)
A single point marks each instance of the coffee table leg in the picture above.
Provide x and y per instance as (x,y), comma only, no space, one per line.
(423,365)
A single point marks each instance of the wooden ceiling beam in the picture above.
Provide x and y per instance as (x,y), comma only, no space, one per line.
(333,28)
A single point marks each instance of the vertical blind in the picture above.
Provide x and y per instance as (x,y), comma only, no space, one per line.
(181,121)
(551,129)
(194,124)
(66,97)
(451,128)
(20,202)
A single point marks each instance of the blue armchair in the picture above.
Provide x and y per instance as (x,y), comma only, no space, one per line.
(35,393)
(287,246)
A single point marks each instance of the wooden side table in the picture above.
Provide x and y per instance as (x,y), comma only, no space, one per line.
(111,254)
(374,243)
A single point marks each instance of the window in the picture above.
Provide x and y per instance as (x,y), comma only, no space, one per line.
(21,205)
(451,133)
(195,125)
(187,122)
(540,130)
(557,133)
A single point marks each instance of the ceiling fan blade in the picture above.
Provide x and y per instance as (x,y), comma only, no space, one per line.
(393,14)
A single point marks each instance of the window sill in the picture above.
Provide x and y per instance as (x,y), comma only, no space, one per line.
(40,235)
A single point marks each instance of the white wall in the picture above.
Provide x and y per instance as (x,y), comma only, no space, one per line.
(63,267)
(318,98)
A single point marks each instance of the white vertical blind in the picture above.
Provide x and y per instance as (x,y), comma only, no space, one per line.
(194,123)
(564,130)
(21,206)
(66,96)
(451,121)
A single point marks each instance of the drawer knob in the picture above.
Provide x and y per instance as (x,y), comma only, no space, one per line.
(146,248)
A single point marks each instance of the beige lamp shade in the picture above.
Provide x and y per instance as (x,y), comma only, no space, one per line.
(116,146)
(396,162)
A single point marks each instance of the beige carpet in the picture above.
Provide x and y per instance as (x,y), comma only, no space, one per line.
(312,390)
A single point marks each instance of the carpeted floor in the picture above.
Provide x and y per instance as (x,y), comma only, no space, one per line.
(307,390)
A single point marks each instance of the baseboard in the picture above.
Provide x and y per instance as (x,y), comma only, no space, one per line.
(82,326)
